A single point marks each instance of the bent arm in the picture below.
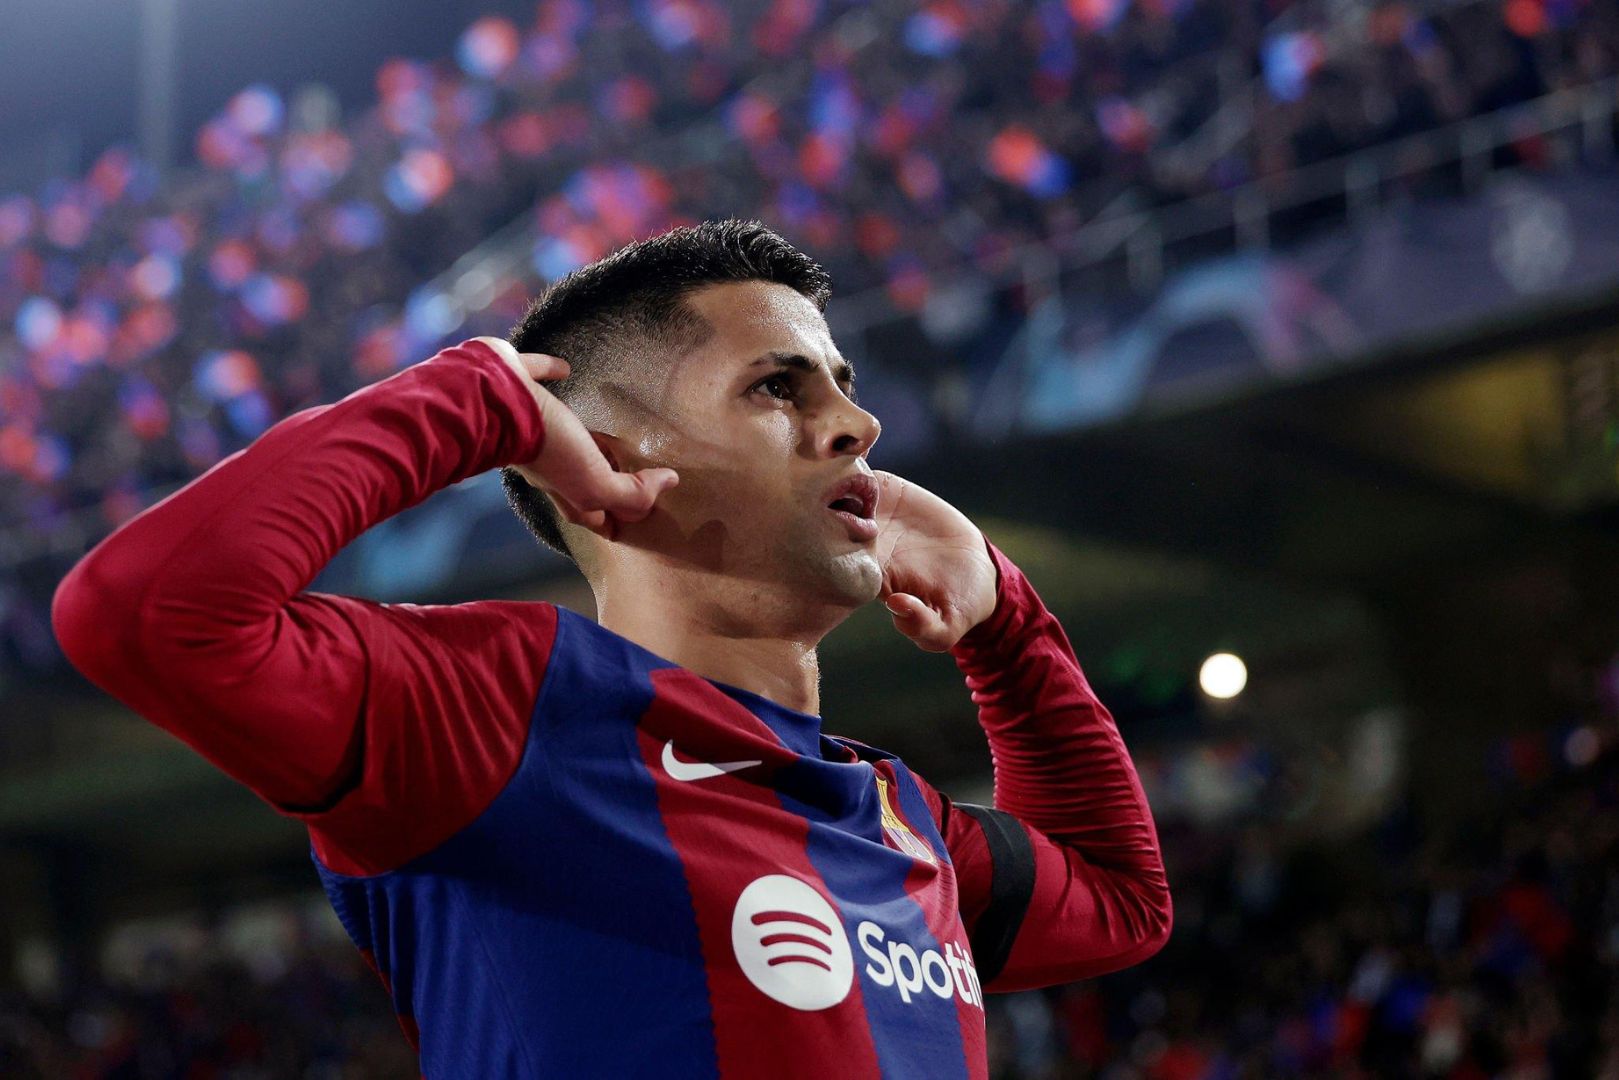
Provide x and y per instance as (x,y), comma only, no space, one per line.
(1063,876)
(191,612)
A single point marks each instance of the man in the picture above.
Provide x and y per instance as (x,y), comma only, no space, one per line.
(627,848)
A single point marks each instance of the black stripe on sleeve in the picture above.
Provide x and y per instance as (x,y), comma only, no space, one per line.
(1011,889)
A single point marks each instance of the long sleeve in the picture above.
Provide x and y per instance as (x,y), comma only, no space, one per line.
(355,716)
(1062,879)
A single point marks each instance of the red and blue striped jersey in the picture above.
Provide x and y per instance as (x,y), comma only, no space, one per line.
(566,856)
(678,879)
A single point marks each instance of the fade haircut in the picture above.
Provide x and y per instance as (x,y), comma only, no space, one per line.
(611,319)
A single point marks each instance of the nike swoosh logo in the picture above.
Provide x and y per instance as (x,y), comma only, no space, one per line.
(698,770)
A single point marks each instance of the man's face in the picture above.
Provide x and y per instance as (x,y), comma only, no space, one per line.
(761,424)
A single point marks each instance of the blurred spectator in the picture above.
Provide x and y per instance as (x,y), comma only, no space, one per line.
(1489,949)
(147,330)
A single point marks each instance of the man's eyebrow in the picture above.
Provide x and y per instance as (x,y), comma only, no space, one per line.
(843,371)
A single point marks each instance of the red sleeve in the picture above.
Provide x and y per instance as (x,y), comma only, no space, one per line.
(1062,879)
(380,725)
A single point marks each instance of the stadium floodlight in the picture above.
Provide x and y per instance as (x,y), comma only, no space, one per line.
(1223,675)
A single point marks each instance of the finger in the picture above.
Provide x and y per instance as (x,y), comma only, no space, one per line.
(541,366)
(594,520)
(612,499)
(628,496)
(919,622)
(545,367)
(631,496)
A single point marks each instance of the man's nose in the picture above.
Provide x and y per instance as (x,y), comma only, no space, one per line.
(849,430)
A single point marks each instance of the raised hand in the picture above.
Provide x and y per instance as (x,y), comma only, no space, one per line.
(572,468)
(938,579)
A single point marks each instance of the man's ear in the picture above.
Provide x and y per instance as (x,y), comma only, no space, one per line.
(610,446)
(621,454)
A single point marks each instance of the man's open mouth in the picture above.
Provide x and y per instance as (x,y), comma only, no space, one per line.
(856,495)
(854,500)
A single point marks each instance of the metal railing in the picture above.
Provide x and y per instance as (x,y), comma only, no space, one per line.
(1345,27)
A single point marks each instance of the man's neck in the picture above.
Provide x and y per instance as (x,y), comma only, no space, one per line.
(778,662)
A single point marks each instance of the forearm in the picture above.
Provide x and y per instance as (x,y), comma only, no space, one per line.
(1059,762)
(192,603)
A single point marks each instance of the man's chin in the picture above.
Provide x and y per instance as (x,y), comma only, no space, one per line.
(856,576)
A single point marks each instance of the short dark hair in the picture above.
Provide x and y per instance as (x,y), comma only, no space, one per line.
(598,317)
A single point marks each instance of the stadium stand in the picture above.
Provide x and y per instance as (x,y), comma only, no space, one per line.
(150,326)
(1488,950)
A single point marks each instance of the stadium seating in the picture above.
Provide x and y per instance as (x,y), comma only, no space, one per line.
(1487,949)
(150,328)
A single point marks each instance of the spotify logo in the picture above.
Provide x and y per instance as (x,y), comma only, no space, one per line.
(791,944)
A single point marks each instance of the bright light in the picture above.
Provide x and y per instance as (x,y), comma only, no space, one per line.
(1223,675)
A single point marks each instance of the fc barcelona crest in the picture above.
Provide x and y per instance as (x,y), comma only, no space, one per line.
(898,833)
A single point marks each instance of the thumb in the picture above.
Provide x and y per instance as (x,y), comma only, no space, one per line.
(918,622)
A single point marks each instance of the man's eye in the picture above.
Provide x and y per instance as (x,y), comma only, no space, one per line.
(775,383)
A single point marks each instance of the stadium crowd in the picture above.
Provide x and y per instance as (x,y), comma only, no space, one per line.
(148,328)
(1490,950)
